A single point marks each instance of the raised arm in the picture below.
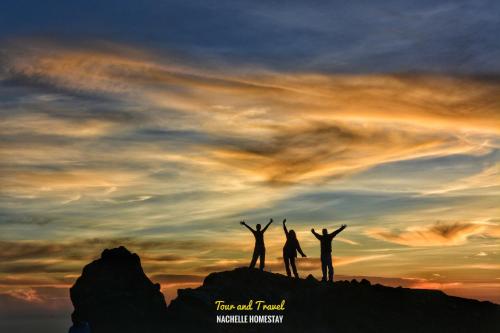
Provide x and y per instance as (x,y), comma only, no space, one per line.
(267,225)
(316,234)
(246,225)
(284,227)
(333,234)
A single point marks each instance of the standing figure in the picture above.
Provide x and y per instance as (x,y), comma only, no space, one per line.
(326,250)
(260,249)
(290,251)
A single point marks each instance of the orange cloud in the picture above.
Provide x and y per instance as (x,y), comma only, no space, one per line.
(437,234)
(445,100)
(280,127)
(28,295)
(36,182)
(47,125)
(323,151)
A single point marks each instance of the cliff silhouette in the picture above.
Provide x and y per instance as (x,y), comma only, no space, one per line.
(114,295)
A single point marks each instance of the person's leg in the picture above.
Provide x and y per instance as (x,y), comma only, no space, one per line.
(294,268)
(262,259)
(287,265)
(323,268)
(254,258)
(330,269)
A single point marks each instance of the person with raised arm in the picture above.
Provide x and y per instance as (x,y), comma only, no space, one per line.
(259,250)
(326,250)
(290,251)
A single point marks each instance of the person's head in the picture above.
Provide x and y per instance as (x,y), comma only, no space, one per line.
(258,226)
(292,234)
(325,232)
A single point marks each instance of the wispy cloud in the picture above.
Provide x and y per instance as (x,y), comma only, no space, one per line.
(489,177)
(437,234)
(277,127)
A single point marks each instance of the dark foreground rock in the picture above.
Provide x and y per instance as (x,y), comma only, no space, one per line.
(312,306)
(114,295)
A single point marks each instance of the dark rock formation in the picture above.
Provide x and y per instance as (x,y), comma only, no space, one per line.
(343,306)
(114,295)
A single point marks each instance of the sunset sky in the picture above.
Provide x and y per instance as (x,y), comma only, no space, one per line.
(159,125)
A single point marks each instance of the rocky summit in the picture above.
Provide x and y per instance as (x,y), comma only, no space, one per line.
(114,295)
(343,306)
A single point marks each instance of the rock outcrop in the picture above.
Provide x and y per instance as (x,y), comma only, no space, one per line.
(313,306)
(114,295)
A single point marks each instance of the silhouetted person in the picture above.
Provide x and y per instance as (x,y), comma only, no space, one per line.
(78,325)
(290,251)
(326,250)
(260,249)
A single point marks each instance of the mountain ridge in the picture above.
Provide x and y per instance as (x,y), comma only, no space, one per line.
(114,295)
(342,306)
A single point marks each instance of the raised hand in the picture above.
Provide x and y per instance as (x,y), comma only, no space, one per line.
(312,230)
(242,222)
(270,220)
(344,225)
(284,221)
